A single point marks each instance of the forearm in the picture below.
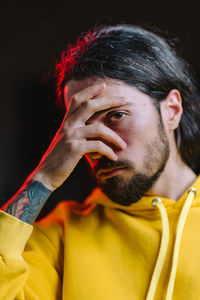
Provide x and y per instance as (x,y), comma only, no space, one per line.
(27,203)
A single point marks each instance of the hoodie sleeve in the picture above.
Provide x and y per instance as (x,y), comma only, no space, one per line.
(30,260)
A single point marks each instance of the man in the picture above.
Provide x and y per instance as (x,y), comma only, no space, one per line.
(133,111)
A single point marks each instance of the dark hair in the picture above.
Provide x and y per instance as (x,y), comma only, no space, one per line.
(140,58)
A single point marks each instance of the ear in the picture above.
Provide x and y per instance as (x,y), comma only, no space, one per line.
(171,109)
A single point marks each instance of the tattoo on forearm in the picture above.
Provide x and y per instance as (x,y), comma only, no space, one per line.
(29,201)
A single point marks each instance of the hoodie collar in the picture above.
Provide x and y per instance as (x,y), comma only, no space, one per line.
(145,203)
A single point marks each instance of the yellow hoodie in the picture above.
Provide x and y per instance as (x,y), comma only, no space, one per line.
(104,251)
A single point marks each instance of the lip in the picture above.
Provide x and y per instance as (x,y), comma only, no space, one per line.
(109,172)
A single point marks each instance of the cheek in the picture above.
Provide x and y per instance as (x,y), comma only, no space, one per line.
(137,135)
(126,132)
(145,129)
(135,132)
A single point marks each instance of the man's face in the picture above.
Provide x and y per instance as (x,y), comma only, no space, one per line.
(138,123)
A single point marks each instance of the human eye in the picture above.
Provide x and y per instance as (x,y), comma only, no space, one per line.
(115,116)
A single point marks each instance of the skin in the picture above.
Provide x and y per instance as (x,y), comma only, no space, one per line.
(134,129)
(105,118)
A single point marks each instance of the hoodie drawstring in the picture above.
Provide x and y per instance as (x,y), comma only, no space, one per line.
(163,248)
(164,244)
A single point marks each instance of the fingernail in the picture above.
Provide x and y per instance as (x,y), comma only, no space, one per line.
(115,157)
(124,144)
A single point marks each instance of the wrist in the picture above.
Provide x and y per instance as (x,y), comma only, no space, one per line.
(40,176)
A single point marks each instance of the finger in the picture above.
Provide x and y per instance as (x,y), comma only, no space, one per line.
(99,131)
(88,108)
(96,146)
(84,95)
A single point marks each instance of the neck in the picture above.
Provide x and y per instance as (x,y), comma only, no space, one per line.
(174,180)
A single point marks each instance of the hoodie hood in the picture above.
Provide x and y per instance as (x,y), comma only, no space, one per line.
(151,206)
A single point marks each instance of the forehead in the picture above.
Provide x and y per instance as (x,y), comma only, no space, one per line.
(114,88)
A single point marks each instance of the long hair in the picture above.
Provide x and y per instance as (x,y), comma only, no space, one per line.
(143,59)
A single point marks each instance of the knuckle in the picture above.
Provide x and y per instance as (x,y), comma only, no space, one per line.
(68,133)
(85,105)
(89,105)
(75,98)
(75,147)
(72,145)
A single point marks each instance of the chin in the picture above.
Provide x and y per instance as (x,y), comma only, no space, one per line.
(126,192)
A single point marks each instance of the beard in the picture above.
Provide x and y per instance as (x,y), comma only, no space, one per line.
(128,191)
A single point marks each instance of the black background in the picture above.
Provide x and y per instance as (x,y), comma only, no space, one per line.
(33,34)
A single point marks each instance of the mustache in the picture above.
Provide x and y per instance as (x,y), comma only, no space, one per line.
(106,163)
